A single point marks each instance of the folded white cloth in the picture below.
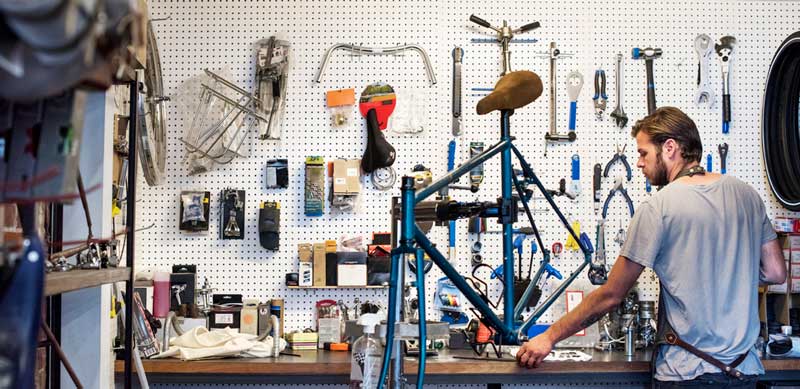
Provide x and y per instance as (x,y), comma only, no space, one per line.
(200,343)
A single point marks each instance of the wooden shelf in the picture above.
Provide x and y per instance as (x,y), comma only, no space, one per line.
(340,287)
(60,282)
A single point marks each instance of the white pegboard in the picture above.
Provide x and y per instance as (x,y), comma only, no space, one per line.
(219,35)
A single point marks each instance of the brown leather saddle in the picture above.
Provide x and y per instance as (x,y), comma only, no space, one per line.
(514,90)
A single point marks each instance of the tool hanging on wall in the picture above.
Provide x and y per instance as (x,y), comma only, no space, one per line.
(598,273)
(619,113)
(600,96)
(575,182)
(458,56)
(724,51)
(649,54)
(272,68)
(451,157)
(363,50)
(476,174)
(619,156)
(231,214)
(705,94)
(574,85)
(618,188)
(553,135)
(596,181)
(709,164)
(723,157)
(572,244)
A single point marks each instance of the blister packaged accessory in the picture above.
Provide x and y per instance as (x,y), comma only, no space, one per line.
(315,186)
(194,210)
(272,68)
(269,225)
(277,174)
(340,105)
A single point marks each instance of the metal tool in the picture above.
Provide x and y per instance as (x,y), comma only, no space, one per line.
(516,40)
(362,50)
(723,156)
(553,136)
(709,165)
(618,113)
(600,96)
(504,36)
(621,235)
(596,180)
(725,54)
(619,156)
(598,273)
(574,85)
(618,188)
(458,56)
(648,54)
(176,291)
(705,94)
(575,182)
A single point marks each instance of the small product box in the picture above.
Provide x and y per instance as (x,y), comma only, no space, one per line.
(795,256)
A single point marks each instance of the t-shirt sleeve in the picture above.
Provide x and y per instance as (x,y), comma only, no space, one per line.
(767,231)
(644,236)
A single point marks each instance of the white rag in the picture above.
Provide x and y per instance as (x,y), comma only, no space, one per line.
(200,343)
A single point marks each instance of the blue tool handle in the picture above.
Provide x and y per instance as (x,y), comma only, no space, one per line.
(451,155)
(628,171)
(605,205)
(518,243)
(603,85)
(497,273)
(587,242)
(647,186)
(573,108)
(551,271)
(708,163)
(534,247)
(576,167)
(726,113)
(628,201)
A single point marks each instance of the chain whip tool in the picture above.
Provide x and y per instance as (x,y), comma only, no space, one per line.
(600,96)
(618,113)
(725,54)
(705,94)
(458,55)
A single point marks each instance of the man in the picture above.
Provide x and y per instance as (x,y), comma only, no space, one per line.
(708,238)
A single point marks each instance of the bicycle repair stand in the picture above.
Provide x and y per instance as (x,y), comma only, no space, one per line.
(412,241)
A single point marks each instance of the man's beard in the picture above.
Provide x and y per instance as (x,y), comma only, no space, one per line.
(660,174)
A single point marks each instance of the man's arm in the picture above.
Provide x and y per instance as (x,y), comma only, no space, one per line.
(773,267)
(596,304)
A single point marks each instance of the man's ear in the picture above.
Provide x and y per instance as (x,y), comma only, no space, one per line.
(670,148)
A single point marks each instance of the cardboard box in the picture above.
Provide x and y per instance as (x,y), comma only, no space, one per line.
(781,288)
(346,176)
(319,264)
(352,268)
(264,321)
(794,285)
(306,274)
(795,256)
(793,241)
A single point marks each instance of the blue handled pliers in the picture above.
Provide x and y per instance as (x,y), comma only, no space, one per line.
(621,189)
(619,156)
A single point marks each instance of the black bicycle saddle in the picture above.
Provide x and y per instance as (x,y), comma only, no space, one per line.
(379,153)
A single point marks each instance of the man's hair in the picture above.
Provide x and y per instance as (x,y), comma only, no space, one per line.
(671,123)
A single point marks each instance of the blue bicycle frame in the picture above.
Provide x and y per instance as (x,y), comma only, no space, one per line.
(413,241)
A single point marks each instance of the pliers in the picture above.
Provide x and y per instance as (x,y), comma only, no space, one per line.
(619,156)
(621,189)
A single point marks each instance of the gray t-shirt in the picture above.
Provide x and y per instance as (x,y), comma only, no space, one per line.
(704,243)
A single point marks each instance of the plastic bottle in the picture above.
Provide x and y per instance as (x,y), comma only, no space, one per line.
(365,362)
(161,297)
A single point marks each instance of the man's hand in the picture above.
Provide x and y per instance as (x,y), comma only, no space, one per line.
(534,351)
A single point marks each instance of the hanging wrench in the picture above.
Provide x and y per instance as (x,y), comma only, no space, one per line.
(600,96)
(705,94)
(574,85)
(619,114)
(725,53)
(458,55)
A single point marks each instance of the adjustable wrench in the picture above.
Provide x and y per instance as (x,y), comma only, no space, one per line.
(600,96)
(619,114)
(725,53)
(705,94)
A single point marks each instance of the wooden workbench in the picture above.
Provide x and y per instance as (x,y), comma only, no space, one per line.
(326,367)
